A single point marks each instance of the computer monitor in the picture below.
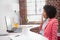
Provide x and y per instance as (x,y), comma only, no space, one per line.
(8,24)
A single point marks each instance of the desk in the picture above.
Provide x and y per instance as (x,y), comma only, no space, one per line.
(26,34)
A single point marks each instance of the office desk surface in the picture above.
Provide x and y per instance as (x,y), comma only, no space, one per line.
(26,34)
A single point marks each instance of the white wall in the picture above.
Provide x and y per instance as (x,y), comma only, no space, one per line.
(7,8)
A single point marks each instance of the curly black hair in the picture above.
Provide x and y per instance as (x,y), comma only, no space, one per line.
(50,11)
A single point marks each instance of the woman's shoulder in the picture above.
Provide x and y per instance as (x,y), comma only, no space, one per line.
(53,20)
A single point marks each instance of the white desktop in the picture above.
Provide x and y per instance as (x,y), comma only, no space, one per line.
(26,34)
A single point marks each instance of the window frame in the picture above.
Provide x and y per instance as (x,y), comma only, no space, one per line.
(35,10)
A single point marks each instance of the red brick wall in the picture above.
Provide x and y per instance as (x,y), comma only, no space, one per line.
(23,11)
(55,3)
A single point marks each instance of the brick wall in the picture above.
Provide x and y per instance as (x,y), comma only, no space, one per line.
(23,11)
(55,3)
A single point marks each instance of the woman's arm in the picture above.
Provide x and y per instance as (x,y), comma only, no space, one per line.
(54,30)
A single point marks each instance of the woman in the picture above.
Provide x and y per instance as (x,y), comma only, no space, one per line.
(50,26)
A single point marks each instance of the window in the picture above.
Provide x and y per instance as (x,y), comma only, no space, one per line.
(34,9)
